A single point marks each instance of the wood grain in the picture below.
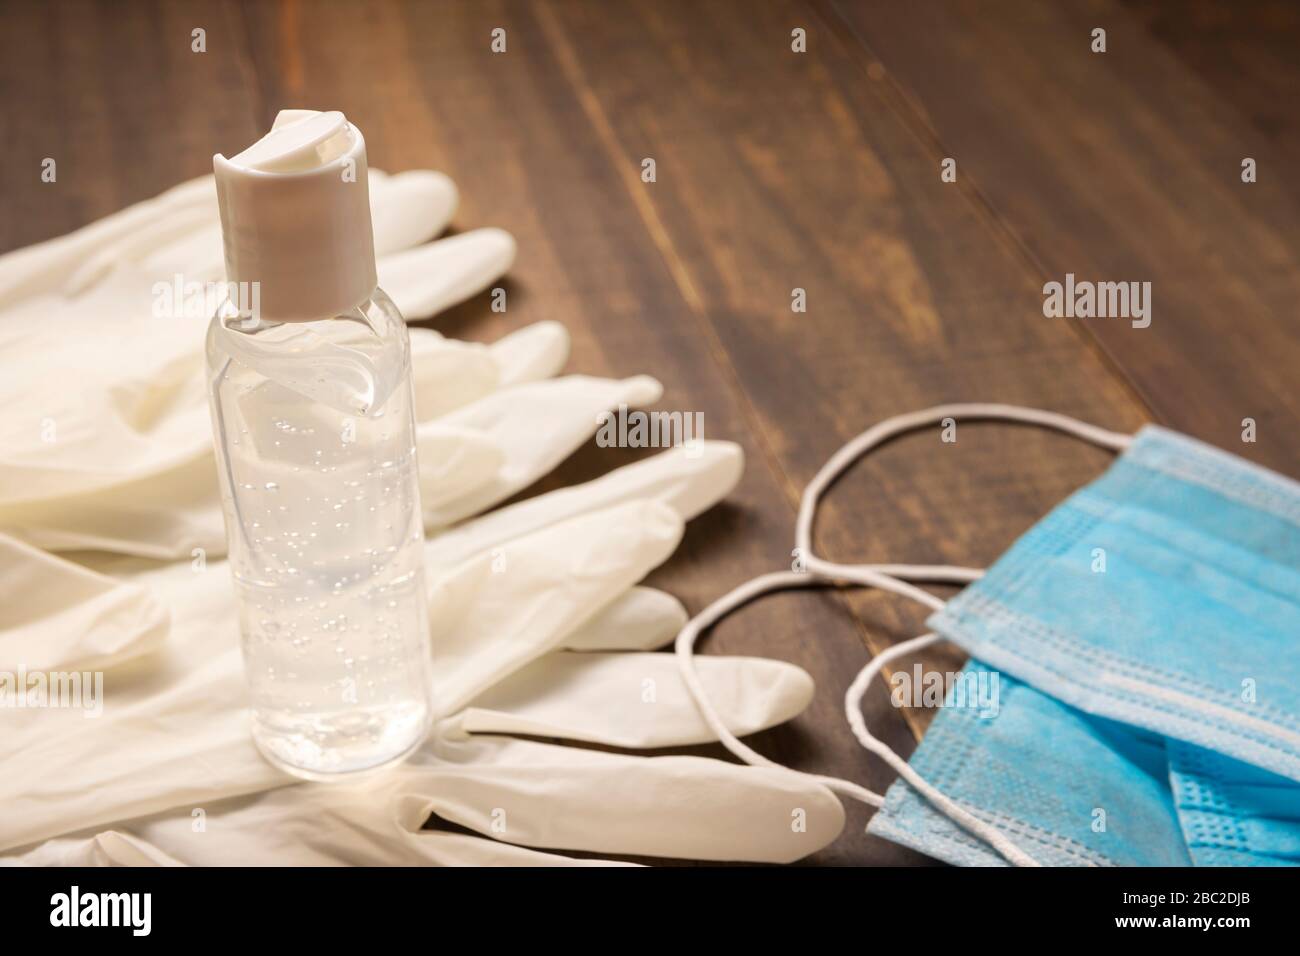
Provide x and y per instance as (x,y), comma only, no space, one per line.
(118,99)
(1244,53)
(777,172)
(1125,165)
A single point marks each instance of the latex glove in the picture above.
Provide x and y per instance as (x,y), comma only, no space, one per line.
(329,837)
(179,231)
(53,612)
(174,728)
(174,733)
(123,461)
(521,794)
(534,794)
(483,425)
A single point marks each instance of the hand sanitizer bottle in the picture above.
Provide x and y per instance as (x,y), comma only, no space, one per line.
(309,376)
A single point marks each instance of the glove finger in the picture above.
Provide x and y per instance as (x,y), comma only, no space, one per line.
(409,208)
(141,481)
(497,611)
(448,374)
(535,352)
(168,512)
(178,232)
(197,253)
(431,278)
(537,425)
(453,461)
(406,209)
(540,795)
(634,700)
(347,824)
(458,849)
(640,619)
(687,480)
(171,515)
(126,462)
(59,616)
(148,414)
(138,246)
(45,267)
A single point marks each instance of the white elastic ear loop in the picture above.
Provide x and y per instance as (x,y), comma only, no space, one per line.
(964,818)
(853,698)
(764,584)
(886,577)
(909,421)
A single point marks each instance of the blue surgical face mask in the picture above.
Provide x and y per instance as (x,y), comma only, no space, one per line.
(1233,814)
(1077,790)
(1068,788)
(1155,617)
(1165,595)
(1148,636)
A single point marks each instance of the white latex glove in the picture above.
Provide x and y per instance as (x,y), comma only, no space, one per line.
(106,441)
(121,469)
(533,794)
(174,734)
(521,794)
(53,611)
(347,824)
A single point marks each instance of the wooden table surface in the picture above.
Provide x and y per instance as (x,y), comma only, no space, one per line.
(778,170)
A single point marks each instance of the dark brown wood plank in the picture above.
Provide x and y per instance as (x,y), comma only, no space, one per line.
(1125,166)
(118,99)
(1247,52)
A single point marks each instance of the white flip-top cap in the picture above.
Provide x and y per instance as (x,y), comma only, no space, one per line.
(295,217)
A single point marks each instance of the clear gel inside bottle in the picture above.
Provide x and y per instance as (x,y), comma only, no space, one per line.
(315,436)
